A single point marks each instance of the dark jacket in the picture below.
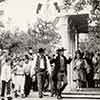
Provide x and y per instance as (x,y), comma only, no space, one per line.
(57,64)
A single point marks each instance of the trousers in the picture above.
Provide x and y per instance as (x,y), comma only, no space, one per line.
(4,86)
(28,85)
(53,80)
(61,78)
(41,76)
(19,83)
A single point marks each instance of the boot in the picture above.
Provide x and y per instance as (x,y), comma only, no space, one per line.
(22,95)
(59,97)
(9,98)
(2,98)
(16,95)
(59,94)
(40,95)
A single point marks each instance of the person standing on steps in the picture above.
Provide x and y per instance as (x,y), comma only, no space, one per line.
(60,71)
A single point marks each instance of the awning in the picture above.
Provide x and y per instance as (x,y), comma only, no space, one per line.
(80,22)
(1,1)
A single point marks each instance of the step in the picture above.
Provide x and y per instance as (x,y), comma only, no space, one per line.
(90,89)
(81,96)
(84,93)
(67,95)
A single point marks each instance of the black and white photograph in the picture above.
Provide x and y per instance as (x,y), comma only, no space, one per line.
(49,49)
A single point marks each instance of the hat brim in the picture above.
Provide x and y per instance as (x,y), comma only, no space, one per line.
(41,50)
(64,49)
(59,50)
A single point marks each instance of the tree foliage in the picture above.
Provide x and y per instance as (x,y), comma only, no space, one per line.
(42,34)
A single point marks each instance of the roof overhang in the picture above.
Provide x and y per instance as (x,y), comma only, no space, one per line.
(80,22)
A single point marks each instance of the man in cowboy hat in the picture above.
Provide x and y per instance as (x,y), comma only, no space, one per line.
(39,69)
(60,71)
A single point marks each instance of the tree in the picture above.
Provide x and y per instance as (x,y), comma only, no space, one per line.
(42,35)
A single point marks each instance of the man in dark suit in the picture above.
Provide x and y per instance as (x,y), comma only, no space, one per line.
(40,69)
(60,71)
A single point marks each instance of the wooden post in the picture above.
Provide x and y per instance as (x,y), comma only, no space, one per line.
(76,41)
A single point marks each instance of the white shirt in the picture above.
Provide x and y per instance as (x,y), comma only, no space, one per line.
(20,70)
(41,65)
(28,66)
(6,72)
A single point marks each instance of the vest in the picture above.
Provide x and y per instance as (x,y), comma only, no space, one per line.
(37,68)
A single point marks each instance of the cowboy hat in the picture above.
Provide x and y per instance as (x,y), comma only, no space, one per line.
(60,49)
(41,50)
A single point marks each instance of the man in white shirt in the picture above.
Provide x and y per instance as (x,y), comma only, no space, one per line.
(28,80)
(40,68)
(6,79)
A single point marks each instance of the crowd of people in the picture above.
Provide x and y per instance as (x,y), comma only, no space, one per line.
(41,72)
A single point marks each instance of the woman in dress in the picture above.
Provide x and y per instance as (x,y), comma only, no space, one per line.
(96,63)
(79,70)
